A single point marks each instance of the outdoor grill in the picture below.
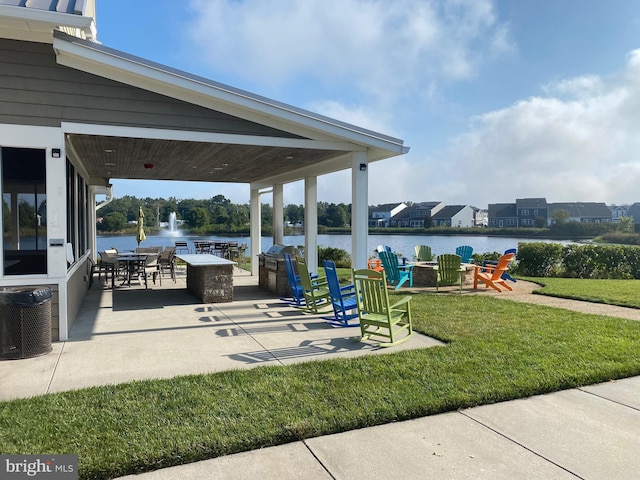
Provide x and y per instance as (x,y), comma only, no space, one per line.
(272,271)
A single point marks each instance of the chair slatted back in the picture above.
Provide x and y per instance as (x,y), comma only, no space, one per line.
(293,279)
(371,291)
(423,253)
(449,268)
(502,266)
(390,265)
(465,252)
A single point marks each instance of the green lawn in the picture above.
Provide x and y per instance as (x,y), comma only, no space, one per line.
(496,350)
(613,292)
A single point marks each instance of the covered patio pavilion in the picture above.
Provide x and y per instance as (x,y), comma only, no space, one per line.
(95,114)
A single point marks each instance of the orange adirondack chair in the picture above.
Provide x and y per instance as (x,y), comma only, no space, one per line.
(492,276)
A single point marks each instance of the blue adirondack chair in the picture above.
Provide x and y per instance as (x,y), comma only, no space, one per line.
(297,295)
(343,298)
(396,274)
(465,252)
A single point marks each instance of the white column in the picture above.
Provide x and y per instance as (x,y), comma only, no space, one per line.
(256,230)
(93,232)
(278,214)
(311,222)
(359,209)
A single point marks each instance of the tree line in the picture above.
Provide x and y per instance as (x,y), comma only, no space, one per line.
(210,216)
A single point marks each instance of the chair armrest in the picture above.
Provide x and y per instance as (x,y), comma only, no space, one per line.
(321,282)
(348,288)
(401,302)
(485,268)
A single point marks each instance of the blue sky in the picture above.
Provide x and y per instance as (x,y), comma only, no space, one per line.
(496,99)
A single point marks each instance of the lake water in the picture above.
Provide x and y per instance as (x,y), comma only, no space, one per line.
(403,244)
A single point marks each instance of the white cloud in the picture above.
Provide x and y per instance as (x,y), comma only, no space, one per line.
(383,48)
(580,145)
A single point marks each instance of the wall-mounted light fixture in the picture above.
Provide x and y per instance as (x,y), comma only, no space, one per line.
(363,167)
(55,152)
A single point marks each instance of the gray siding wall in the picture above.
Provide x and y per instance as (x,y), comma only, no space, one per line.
(34,90)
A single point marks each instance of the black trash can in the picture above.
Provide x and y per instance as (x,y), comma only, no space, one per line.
(25,322)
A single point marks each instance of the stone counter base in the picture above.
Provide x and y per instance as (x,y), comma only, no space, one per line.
(211,283)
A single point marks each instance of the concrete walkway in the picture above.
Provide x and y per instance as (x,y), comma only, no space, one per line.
(590,433)
(586,433)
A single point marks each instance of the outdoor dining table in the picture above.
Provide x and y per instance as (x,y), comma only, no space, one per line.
(134,262)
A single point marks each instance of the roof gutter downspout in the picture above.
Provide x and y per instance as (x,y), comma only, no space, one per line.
(108,191)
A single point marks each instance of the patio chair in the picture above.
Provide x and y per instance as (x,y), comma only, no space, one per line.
(232,250)
(167,261)
(465,252)
(423,253)
(109,265)
(492,276)
(151,268)
(297,296)
(378,317)
(387,248)
(396,274)
(505,274)
(343,298)
(182,247)
(375,264)
(449,270)
(315,291)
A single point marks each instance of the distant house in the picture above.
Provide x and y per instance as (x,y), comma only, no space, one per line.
(417,215)
(532,212)
(634,212)
(380,215)
(585,212)
(454,216)
(618,212)
(480,217)
(503,215)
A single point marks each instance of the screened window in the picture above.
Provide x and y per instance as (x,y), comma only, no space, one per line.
(24,211)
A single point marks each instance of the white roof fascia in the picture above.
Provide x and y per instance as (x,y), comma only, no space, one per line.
(54,19)
(36,25)
(118,66)
(205,137)
(332,165)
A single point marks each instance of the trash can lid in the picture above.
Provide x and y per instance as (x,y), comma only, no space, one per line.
(26,296)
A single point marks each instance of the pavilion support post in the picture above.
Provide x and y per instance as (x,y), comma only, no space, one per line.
(278,214)
(311,222)
(256,230)
(359,209)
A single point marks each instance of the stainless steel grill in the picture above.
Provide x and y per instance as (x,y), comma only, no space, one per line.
(272,272)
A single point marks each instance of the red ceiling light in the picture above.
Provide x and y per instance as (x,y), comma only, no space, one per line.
(148,165)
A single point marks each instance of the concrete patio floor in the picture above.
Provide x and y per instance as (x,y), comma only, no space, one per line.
(130,333)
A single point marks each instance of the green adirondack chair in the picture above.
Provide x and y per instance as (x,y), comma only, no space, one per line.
(449,270)
(378,317)
(396,274)
(315,291)
(423,253)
